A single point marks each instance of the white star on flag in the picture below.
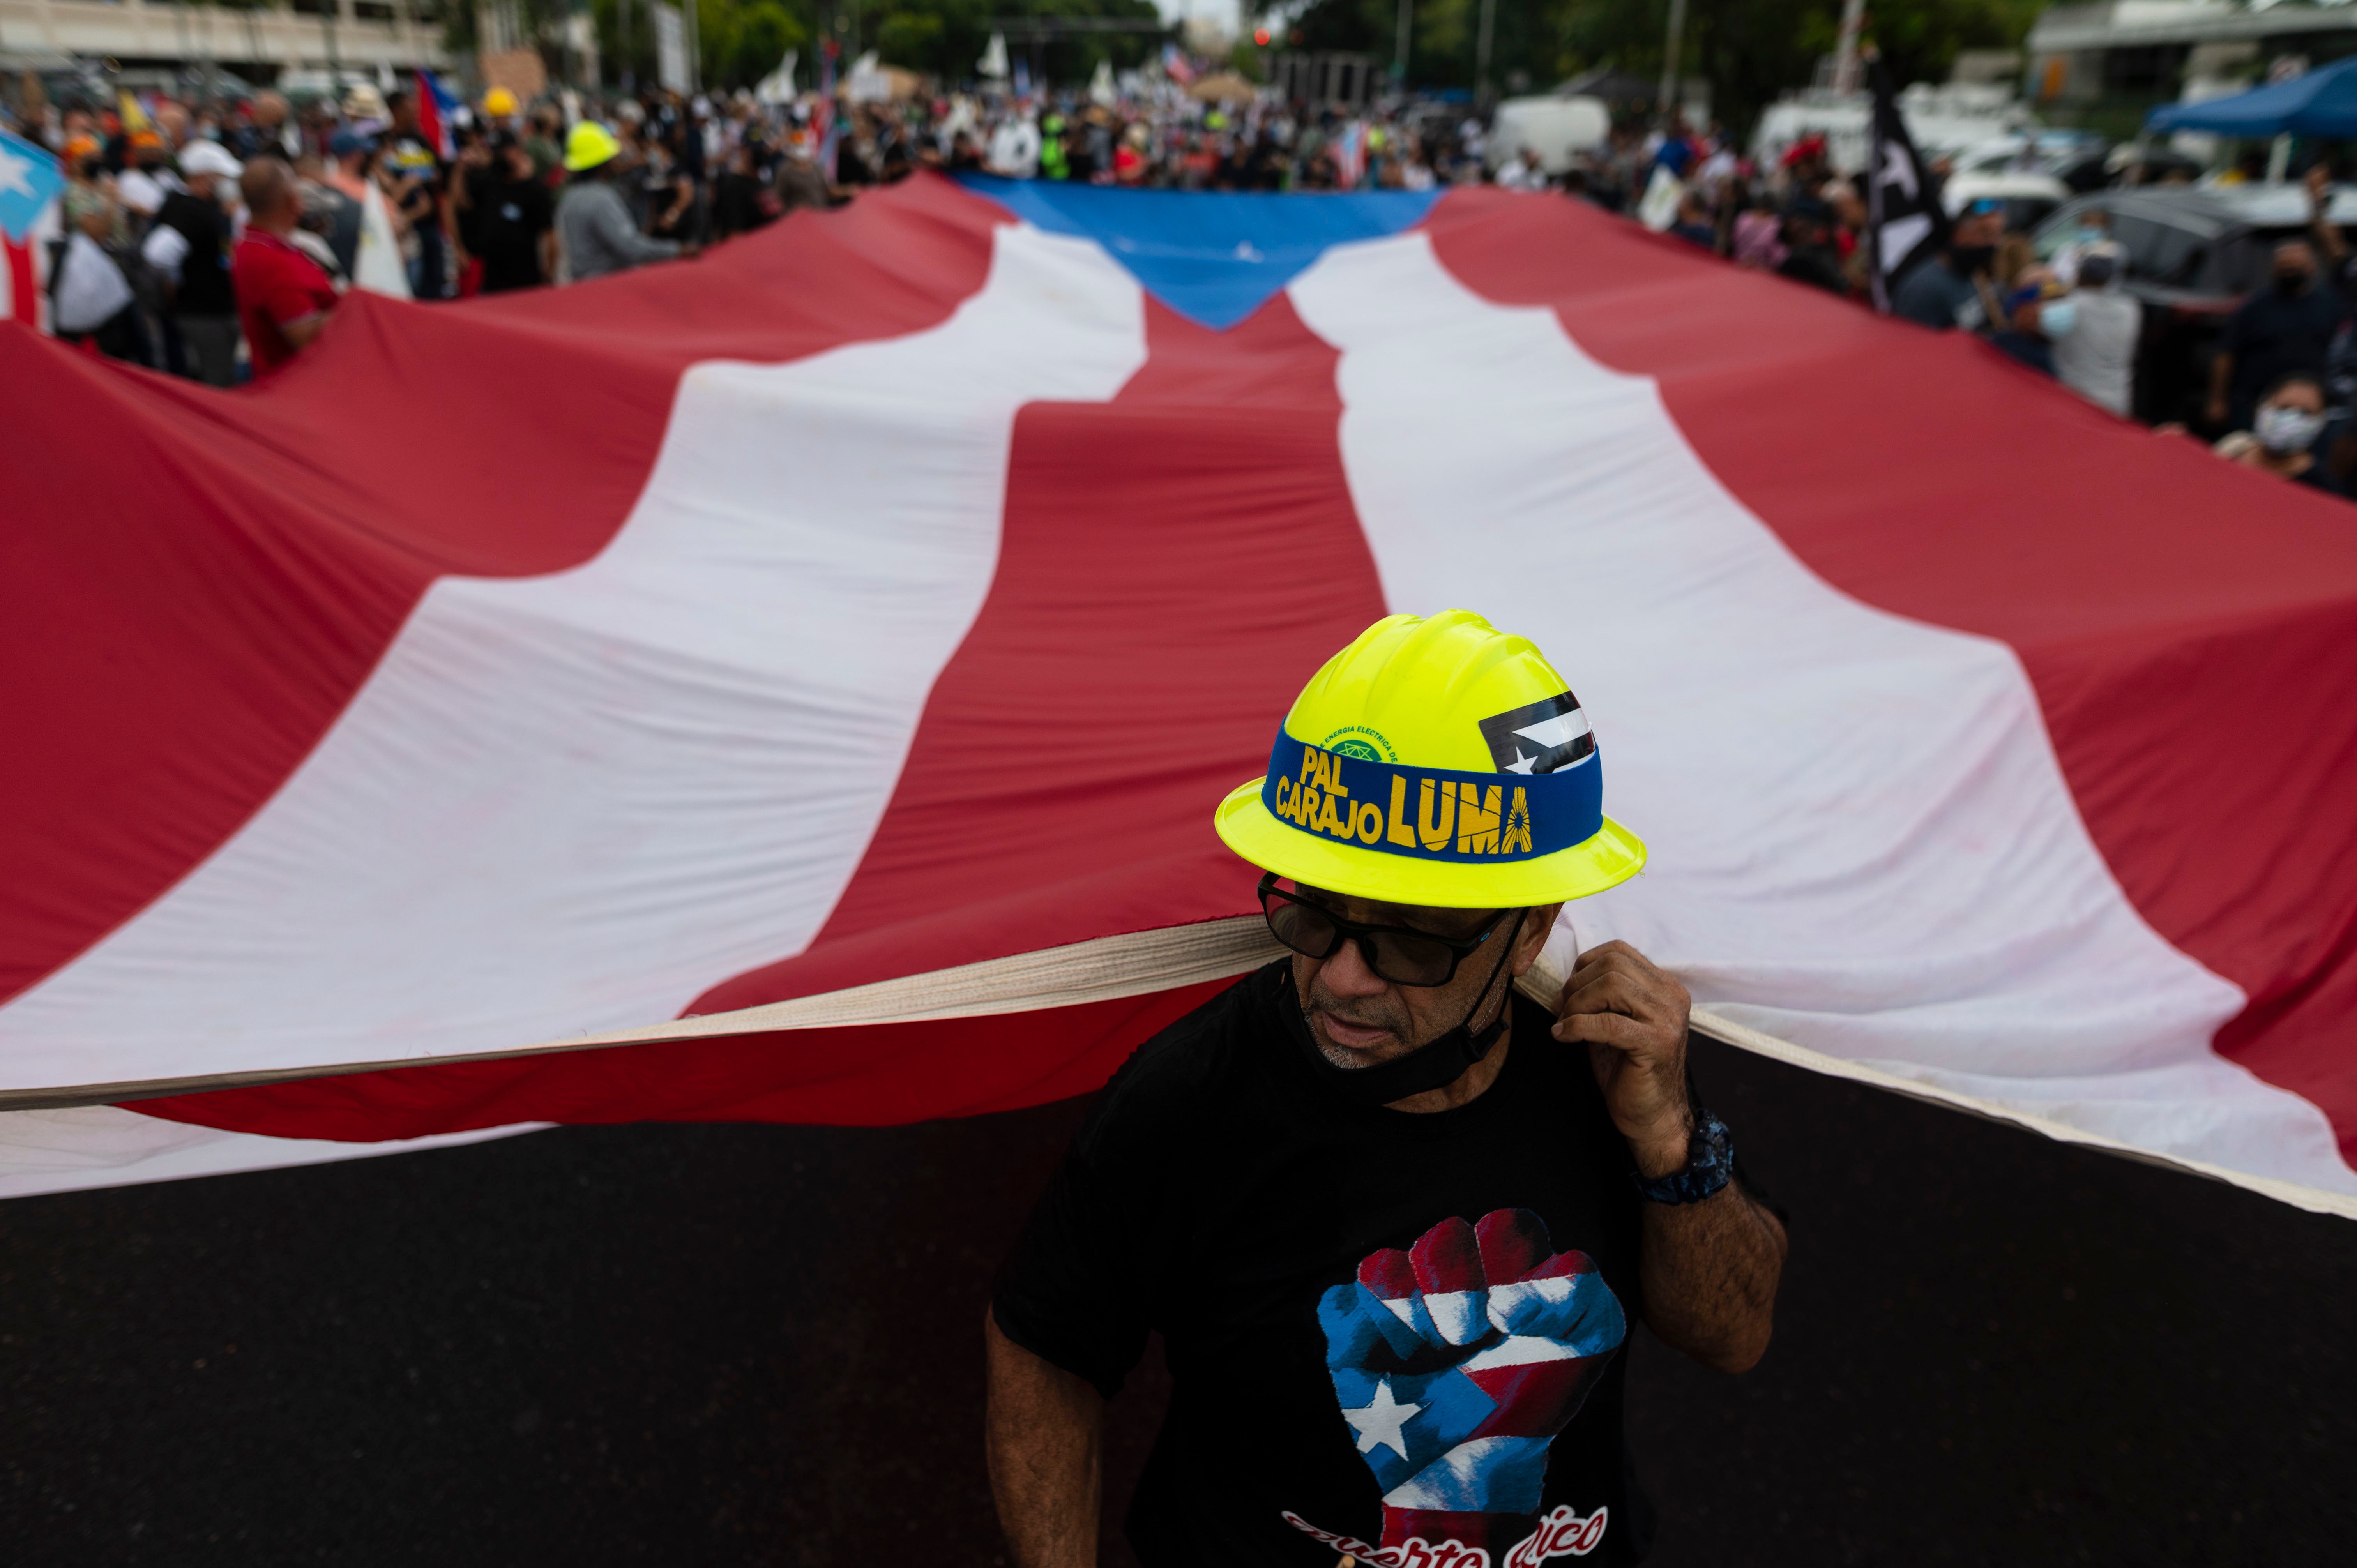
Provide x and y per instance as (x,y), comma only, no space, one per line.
(1522,764)
(13,170)
(1378,1422)
(1557,729)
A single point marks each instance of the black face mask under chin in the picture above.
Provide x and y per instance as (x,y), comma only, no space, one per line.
(1434,1065)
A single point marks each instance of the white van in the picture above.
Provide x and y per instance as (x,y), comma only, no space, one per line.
(1553,128)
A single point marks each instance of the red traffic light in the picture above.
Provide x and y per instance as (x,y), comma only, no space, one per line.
(1261,37)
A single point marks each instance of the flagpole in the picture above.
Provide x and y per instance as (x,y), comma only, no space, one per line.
(1669,93)
(1846,52)
(1481,50)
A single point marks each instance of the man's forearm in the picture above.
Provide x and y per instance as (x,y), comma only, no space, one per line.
(1710,1272)
(1043,1427)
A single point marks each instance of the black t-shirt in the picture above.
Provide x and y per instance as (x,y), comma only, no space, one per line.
(1816,265)
(506,218)
(205,287)
(1382,1327)
(2274,334)
(405,157)
(736,203)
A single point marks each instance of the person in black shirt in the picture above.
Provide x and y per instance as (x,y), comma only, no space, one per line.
(418,181)
(741,200)
(203,303)
(1393,1221)
(511,219)
(2279,330)
(1810,256)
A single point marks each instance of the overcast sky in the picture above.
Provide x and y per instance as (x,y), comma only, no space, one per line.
(1220,11)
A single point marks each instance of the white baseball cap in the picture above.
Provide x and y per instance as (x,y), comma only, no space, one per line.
(209,158)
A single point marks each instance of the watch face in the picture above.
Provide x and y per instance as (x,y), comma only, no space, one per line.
(1710,1165)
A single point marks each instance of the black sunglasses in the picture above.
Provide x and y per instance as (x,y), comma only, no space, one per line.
(1397,953)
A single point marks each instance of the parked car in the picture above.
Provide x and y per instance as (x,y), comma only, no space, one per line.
(2027,197)
(2192,256)
(2038,151)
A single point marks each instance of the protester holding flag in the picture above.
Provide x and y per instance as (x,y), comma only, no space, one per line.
(593,222)
(283,298)
(2285,431)
(1393,1219)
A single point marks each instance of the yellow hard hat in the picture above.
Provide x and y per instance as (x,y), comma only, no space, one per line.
(1435,761)
(499,103)
(589,146)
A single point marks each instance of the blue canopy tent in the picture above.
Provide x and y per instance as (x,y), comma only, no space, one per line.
(2321,103)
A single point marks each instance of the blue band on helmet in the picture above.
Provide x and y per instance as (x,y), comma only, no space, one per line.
(1433,814)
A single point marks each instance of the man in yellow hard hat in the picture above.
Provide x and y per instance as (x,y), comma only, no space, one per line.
(593,222)
(1389,1218)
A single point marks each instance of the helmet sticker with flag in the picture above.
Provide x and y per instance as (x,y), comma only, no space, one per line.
(1539,737)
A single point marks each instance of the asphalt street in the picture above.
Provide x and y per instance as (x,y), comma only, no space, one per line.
(750,1344)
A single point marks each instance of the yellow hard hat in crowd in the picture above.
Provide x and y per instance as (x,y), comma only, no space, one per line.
(1435,761)
(499,103)
(589,146)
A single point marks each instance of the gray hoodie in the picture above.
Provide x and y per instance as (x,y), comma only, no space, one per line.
(593,224)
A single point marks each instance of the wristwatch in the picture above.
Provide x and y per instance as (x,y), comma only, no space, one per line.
(1710,1165)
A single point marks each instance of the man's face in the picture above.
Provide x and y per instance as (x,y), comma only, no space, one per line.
(2295,264)
(2306,397)
(1360,1019)
(1979,230)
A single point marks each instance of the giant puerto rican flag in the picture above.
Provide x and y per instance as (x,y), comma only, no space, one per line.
(794,685)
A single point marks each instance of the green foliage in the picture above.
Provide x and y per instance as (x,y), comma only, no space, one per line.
(1751,52)
(744,39)
(741,40)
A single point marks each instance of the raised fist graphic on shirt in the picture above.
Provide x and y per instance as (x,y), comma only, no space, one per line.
(1457,1362)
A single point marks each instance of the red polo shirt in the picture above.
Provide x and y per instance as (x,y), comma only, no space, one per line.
(277,285)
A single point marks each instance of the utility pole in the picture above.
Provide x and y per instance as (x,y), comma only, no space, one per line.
(1481,51)
(1406,25)
(1669,94)
(696,52)
(1846,53)
(335,62)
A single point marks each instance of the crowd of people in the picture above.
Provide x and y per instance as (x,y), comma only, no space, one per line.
(209,226)
(2283,391)
(212,239)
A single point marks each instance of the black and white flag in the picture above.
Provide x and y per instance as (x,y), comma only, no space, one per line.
(1904,220)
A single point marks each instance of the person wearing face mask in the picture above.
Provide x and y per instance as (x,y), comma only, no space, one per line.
(2283,432)
(2038,313)
(2285,327)
(2096,355)
(1952,288)
(2092,229)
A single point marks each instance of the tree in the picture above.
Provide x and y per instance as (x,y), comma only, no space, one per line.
(1751,52)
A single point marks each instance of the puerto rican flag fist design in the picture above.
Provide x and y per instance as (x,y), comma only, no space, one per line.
(1457,1362)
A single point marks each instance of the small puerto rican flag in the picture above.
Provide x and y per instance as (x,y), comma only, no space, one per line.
(438,115)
